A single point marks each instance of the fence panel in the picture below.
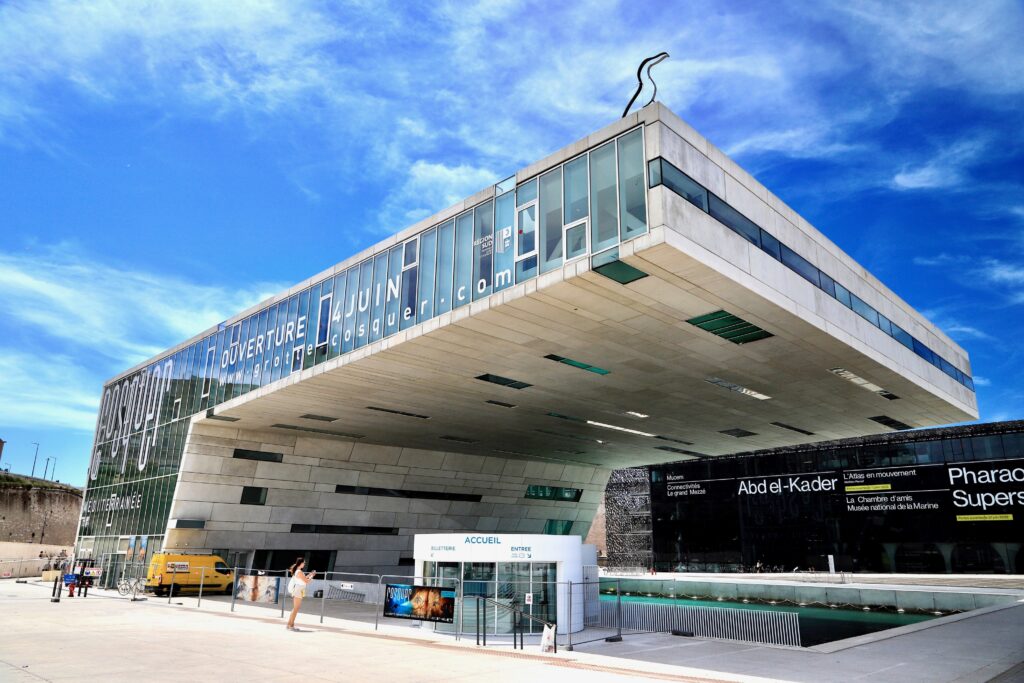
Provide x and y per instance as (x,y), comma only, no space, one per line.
(726,623)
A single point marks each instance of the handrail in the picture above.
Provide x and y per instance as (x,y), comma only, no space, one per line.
(518,636)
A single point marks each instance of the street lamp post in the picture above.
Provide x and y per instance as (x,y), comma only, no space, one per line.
(34,458)
(46,467)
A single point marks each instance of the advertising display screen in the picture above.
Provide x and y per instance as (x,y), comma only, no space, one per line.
(423,603)
(965,516)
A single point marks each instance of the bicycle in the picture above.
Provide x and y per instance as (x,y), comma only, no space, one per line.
(126,586)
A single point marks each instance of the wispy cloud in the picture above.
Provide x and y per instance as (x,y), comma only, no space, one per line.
(108,310)
(943,170)
(56,392)
(102,317)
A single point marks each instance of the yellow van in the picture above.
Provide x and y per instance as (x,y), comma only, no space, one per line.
(186,571)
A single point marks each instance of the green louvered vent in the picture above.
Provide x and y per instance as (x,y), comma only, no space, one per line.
(728,326)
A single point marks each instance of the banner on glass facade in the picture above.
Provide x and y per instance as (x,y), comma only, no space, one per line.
(423,603)
(953,516)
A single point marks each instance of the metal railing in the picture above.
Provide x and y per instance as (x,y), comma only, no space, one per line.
(727,623)
(26,568)
(518,633)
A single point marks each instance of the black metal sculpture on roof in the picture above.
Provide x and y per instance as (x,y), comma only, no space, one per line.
(645,65)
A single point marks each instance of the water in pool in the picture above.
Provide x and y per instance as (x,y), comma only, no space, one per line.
(817,624)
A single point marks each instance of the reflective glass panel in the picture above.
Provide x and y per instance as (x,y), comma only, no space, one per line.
(380,292)
(576,240)
(463,259)
(445,267)
(550,203)
(428,265)
(504,250)
(337,313)
(527,238)
(526,269)
(305,326)
(576,196)
(393,298)
(483,249)
(409,299)
(349,309)
(632,188)
(604,210)
(526,193)
(363,301)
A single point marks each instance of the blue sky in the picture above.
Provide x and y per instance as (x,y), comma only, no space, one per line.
(165,164)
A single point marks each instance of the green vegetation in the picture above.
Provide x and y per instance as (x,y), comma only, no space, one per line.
(8,480)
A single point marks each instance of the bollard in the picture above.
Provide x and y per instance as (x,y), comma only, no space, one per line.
(58,587)
(234,587)
(383,599)
(568,631)
(323,595)
(170,591)
(202,576)
(284,597)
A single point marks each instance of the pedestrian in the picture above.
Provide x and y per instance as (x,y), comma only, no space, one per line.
(297,588)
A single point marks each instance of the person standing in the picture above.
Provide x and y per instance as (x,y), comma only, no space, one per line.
(297,588)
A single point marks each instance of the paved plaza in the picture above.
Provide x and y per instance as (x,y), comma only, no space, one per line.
(108,637)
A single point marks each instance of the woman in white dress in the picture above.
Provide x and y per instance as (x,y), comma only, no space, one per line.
(297,588)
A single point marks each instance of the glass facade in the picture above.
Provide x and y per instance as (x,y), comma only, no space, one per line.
(943,501)
(505,582)
(508,239)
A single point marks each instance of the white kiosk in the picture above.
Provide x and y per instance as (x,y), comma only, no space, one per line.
(532,571)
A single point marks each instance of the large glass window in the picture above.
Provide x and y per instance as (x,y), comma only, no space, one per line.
(550,203)
(483,249)
(666,174)
(463,293)
(604,210)
(428,265)
(504,248)
(632,188)
(350,309)
(445,267)
(393,305)
(337,316)
(576,196)
(364,299)
(409,298)
(305,327)
(380,292)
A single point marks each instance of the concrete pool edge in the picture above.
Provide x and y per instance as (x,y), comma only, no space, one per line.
(885,634)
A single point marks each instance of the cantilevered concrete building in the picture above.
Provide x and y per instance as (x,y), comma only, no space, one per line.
(633,298)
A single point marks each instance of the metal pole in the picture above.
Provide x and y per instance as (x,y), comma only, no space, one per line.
(376,612)
(55,593)
(462,610)
(234,587)
(323,595)
(485,620)
(170,591)
(202,577)
(478,622)
(284,597)
(618,606)
(569,629)
(34,459)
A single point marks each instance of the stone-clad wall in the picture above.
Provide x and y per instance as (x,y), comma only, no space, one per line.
(301,490)
(39,514)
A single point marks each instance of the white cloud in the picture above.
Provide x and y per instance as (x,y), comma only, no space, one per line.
(944,170)
(118,313)
(981,381)
(429,188)
(47,391)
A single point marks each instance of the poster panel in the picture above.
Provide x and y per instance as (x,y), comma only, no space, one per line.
(258,588)
(423,603)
